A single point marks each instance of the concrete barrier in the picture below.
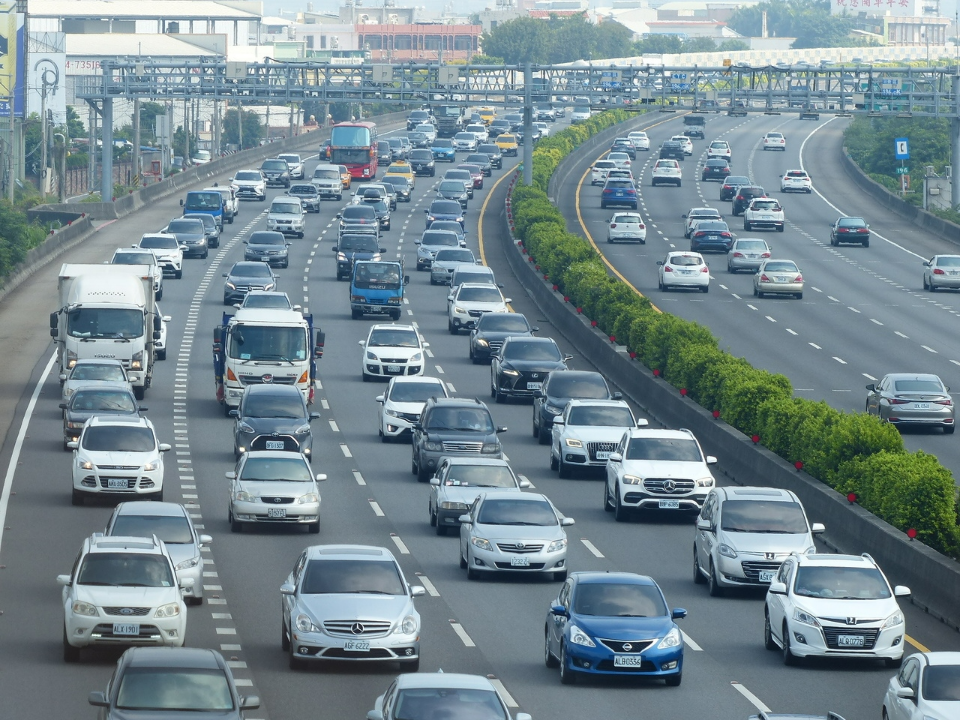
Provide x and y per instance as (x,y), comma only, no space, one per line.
(55,245)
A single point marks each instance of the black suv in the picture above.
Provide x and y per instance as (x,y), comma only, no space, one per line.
(522,365)
(355,246)
(672,149)
(559,389)
(492,329)
(452,427)
(731,184)
(276,172)
(273,417)
(492,151)
(715,169)
(422,162)
(745,195)
(624,145)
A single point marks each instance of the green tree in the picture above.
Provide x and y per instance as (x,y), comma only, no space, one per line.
(252,129)
(659,45)
(809,21)
(487,60)
(524,39)
(698,45)
(180,142)
(75,124)
(613,40)
(733,45)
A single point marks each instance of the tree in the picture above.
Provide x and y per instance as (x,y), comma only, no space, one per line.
(486,60)
(733,46)
(252,129)
(148,119)
(659,45)
(555,40)
(809,21)
(524,39)
(74,123)
(180,142)
(699,45)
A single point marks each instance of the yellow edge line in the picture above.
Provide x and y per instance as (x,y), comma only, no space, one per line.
(483,211)
(918,645)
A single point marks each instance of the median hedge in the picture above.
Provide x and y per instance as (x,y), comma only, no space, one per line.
(849,451)
(18,236)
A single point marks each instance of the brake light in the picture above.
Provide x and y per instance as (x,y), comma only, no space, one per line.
(798,279)
(726,234)
(843,229)
(764,278)
(943,402)
(613,225)
(667,268)
(765,255)
(863,230)
(704,269)
(699,234)
(738,254)
(898,401)
(642,226)
(938,271)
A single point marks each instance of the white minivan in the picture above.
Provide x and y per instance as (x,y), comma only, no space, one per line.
(286,216)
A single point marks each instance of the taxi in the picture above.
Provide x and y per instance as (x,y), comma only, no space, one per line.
(487,115)
(345,176)
(403,169)
(507,143)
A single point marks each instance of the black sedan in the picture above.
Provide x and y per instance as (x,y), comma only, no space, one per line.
(850,230)
(715,169)
(267,246)
(522,365)
(711,235)
(401,186)
(273,417)
(481,160)
(745,195)
(559,389)
(244,277)
(96,398)
(454,190)
(444,210)
(493,152)
(730,185)
(492,329)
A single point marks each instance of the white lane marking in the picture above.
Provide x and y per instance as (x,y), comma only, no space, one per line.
(840,360)
(897,332)
(230,647)
(869,377)
(955,362)
(324,404)
(507,697)
(591,547)
(792,332)
(429,353)
(376,508)
(875,321)
(462,634)
(399,543)
(333,425)
(815,346)
(345,450)
(450,388)
(831,297)
(226,631)
(753,699)
(928,349)
(752,307)
(428,585)
(852,308)
(770,319)
(439,369)
(690,643)
(359,478)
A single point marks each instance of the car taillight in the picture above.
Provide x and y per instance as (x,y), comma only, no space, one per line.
(863,230)
(943,402)
(764,278)
(667,268)
(726,234)
(704,269)
(842,230)
(798,279)
(765,255)
(613,225)
(738,254)
(642,226)
(607,191)
(938,271)
(898,401)
(699,234)
(740,197)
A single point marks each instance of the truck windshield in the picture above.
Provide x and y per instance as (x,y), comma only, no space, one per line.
(255,342)
(203,201)
(101,323)
(377,277)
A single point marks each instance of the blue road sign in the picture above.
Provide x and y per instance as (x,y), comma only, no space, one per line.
(902,149)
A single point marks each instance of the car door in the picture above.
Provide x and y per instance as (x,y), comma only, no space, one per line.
(293,579)
(707,539)
(556,432)
(779,605)
(615,467)
(556,628)
(906,708)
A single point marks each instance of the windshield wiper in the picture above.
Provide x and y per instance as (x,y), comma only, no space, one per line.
(276,357)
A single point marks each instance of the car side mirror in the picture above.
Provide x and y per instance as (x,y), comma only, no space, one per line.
(464,520)
(559,422)
(234,413)
(250,702)
(63,406)
(206,540)
(382,249)
(660,262)
(642,422)
(186,583)
(380,399)
(558,610)
(778,588)
(164,447)
(435,481)
(320,477)
(181,202)
(374,715)
(906,693)
(73,444)
(230,475)
(872,387)
(711,460)
(406,279)
(567,522)
(501,428)
(615,457)
(288,589)
(678,613)
(703,524)
(63,580)
(333,249)
(684,217)
(901,591)
(417,591)
(98,699)
(314,416)
(818,528)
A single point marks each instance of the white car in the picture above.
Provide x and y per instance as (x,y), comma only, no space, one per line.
(626,227)
(446,261)
(639,139)
(685,142)
(667,172)
(160,344)
(141,256)
(834,606)
(273,486)
(479,131)
(391,350)
(778,277)
(458,481)
(796,181)
(117,456)
(598,173)
(774,141)
(88,371)
(697,215)
(295,164)
(428,129)
(286,216)
(469,301)
(620,159)
(328,181)
(402,403)
(202,157)
(249,184)
(683,270)
(926,687)
(122,591)
(586,432)
(543,128)
(442,695)
(719,149)
(657,470)
(464,142)
(169,252)
(764,213)
(580,114)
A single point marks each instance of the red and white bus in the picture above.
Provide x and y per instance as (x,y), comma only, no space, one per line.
(354,144)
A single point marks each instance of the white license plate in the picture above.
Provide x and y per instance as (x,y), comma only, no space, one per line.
(603,454)
(688,272)
(780,279)
(393,368)
(276,512)
(534,386)
(117,483)
(126,629)
(766,217)
(669,504)
(274,444)
(627,661)
(357,645)
(519,562)
(767,575)
(850,641)
(922,406)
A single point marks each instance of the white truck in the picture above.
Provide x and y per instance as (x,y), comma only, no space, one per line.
(107,311)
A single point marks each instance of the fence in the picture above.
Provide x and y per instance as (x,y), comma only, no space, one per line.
(78,178)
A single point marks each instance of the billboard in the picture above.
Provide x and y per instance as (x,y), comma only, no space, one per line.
(11,58)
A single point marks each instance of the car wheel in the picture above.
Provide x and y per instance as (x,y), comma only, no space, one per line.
(159,294)
(560,576)
(441,528)
(566,674)
(71,654)
(356,314)
(235,527)
(705,289)
(565,470)
(673,680)
(364,377)
(498,396)
(799,296)
(698,577)
(284,638)
(603,206)
(463,563)
(866,243)
(162,354)
(549,659)
(536,428)
(746,225)
(422,474)
(413,463)
(178,274)
(194,601)
(471,573)
(712,585)
(788,657)
(619,512)
(554,463)
(410,665)
(925,285)
(609,240)
(545,436)
(607,504)
(768,642)
(452,329)
(780,228)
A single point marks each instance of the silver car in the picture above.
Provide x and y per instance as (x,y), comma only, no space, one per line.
(778,277)
(273,486)
(513,532)
(941,271)
(91,370)
(446,261)
(747,254)
(912,399)
(458,481)
(441,695)
(349,602)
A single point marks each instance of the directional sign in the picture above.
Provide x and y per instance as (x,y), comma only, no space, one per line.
(678,81)
(890,86)
(902,149)
(610,79)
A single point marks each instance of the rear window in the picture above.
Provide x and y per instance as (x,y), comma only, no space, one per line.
(577,386)
(447,207)
(358,212)
(303,190)
(440,239)
(771,205)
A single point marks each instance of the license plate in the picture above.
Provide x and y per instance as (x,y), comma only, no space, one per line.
(780,279)
(117,483)
(276,512)
(767,575)
(766,217)
(603,455)
(627,661)
(922,406)
(534,385)
(850,640)
(688,272)
(669,504)
(954,272)
(126,629)
(393,368)
(357,645)
(274,444)
(519,562)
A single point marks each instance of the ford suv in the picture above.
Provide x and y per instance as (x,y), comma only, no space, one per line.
(763,213)
(452,427)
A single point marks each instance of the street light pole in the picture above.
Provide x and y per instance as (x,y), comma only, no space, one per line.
(62,184)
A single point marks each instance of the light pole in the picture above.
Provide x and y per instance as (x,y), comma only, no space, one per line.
(62,184)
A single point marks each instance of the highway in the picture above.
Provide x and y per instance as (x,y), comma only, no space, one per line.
(492,627)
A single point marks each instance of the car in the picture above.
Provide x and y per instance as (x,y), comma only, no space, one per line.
(586,432)
(418,139)
(581,113)
(926,686)
(96,398)
(307,194)
(492,151)
(117,456)
(396,149)
(384,152)
(598,173)
(623,144)
(275,172)
(418,117)
(667,172)
(713,235)
(349,603)
(683,270)
(422,162)
(286,215)
(542,129)
(764,212)
(561,388)
(639,139)
(453,190)
(513,532)
(451,226)
(427,696)
(619,159)
(685,142)
(429,130)
(492,329)
(487,115)
(850,230)
(326,178)
(294,163)
(695,215)
(452,427)
(618,174)
(245,276)
(464,176)
(402,404)
(160,343)
(264,299)
(657,470)
(267,246)
(325,149)
(249,185)
(796,181)
(382,209)
(672,150)
(399,186)
(168,250)
(613,623)
(202,157)
(522,364)
(618,191)
(446,260)
(912,399)
(273,487)
(470,301)
(744,533)
(346,178)
(113,574)
(403,168)
(470,274)
(443,150)
(778,277)
(444,210)
(464,142)
(460,480)
(391,350)
(272,417)
(714,169)
(719,149)
(141,256)
(774,141)
(812,600)
(171,682)
(747,254)
(211,228)
(430,243)
(744,196)
(476,174)
(352,247)
(941,271)
(728,190)
(626,227)
(86,372)
(359,218)
(507,142)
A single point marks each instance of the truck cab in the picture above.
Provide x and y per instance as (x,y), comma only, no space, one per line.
(207,202)
(377,288)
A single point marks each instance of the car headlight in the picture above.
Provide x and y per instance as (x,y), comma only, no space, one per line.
(552,410)
(417,357)
(893,621)
(508,371)
(557,545)
(631,480)
(168,611)
(136,362)
(705,482)
(305,624)
(573,442)
(245,428)
(308,499)
(151,466)
(230,285)
(449,505)
(303,429)
(482,343)
(391,413)
(481,543)
(801,616)
(409,625)
(85,465)
(726,551)
(490,448)
(84,608)
(244,496)
(459,310)
(579,637)
(670,640)
(74,425)
(432,446)
(187,564)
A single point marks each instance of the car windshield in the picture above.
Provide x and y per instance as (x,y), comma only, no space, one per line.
(359,243)
(114,438)
(717,163)
(941,683)
(841,583)
(266,300)
(517,512)
(498,476)
(95,371)
(751,246)
(455,256)
(576,386)
(478,159)
(172,529)
(447,702)
(503,322)
(439,238)
(174,689)
(274,469)
(851,222)
(416,392)
(465,136)
(667,449)
(170,243)
(763,516)
(470,276)
(772,205)
(531,350)
(134,258)
(601,416)
(454,186)
(269,405)
(103,401)
(684,261)
(267,239)
(460,419)
(125,570)
(927,386)
(252,270)
(718,144)
(603,165)
(781,266)
(774,136)
(381,276)
(618,600)
(796,174)
(359,212)
(274,165)
(705,213)
(285,208)
(489,293)
(206,220)
(204,200)
(376,577)
(393,337)
(247,175)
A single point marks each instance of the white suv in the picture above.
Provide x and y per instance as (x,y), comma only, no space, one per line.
(286,216)
(796,180)
(763,213)
(391,350)
(598,173)
(657,469)
(685,142)
(469,301)
(639,139)
(141,256)
(402,403)
(122,591)
(719,149)
(667,172)
(834,606)
(168,251)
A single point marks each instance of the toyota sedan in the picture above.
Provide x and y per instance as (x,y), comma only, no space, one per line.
(778,277)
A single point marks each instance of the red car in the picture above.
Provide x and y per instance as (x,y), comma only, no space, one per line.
(476,172)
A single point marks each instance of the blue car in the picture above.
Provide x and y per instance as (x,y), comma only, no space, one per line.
(445,210)
(443,150)
(613,624)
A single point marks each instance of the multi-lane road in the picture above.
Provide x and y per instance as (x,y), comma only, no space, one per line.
(492,627)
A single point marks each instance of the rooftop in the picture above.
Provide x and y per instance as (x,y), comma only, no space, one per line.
(131,10)
(121,44)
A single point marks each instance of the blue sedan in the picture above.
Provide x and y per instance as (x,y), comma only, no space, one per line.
(613,624)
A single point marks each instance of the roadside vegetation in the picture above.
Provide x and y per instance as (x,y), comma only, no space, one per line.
(17,237)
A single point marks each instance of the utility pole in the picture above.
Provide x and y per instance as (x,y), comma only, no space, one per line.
(240,120)
(12,175)
(106,170)
(91,149)
(137,170)
(527,126)
(62,172)
(43,139)
(955,147)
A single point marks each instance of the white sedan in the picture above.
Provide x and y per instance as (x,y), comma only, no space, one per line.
(927,687)
(778,277)
(683,270)
(619,159)
(639,139)
(774,141)
(626,227)
(719,149)
(796,181)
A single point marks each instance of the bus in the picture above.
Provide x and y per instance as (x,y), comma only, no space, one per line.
(354,144)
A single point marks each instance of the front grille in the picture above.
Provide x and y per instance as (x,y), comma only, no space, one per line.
(275,500)
(462,446)
(656,486)
(105,632)
(394,361)
(130,612)
(515,548)
(118,467)
(372,654)
(831,635)
(258,380)
(495,345)
(508,566)
(475,313)
(594,447)
(289,442)
(409,417)
(636,646)
(645,667)
(357,628)
(752,569)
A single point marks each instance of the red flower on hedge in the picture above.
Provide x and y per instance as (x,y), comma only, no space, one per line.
(593,323)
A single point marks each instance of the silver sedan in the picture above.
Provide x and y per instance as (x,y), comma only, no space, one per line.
(912,399)
(747,254)
(941,271)
(778,277)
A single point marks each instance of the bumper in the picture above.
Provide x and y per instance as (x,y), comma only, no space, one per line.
(287,229)
(464,323)
(937,418)
(635,498)
(796,188)
(599,660)
(123,485)
(278,182)
(449,518)
(84,631)
(720,247)
(498,561)
(579,457)
(250,194)
(889,643)
(628,237)
(666,180)
(630,202)
(272,260)
(388,370)
(430,459)
(780,288)
(319,646)
(694,281)
(292,513)
(375,309)
(752,265)
(171,267)
(759,224)
(440,275)
(713,176)
(394,427)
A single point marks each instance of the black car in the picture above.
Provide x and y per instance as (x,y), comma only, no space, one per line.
(522,364)
(276,172)
(422,162)
(745,195)
(453,190)
(418,139)
(308,194)
(362,217)
(418,117)
(715,169)
(401,186)
(492,151)
(162,682)
(624,145)
(396,149)
(850,230)
(272,417)
(498,127)
(672,149)
(451,427)
(712,235)
(244,277)
(100,398)
(267,246)
(445,210)
(730,185)
(211,230)
(382,209)
(465,176)
(384,153)
(559,389)
(482,161)
(492,329)
(355,246)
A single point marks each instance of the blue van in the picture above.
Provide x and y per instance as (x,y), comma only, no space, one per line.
(209,202)
(377,288)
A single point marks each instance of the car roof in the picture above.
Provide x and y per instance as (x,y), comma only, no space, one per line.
(620,578)
(443,680)
(661,434)
(256,314)
(248,263)
(491,462)
(837,560)
(392,326)
(703,211)
(476,285)
(271,389)
(349,552)
(181,657)
(941,658)
(100,543)
(513,495)
(400,379)
(586,402)
(529,338)
(150,507)
(119,420)
(767,494)
(913,376)
(273,455)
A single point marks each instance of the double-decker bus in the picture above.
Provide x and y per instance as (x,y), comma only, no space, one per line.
(354,144)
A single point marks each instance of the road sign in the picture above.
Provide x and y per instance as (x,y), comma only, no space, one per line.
(678,81)
(610,79)
(902,149)
(903,170)
(891,86)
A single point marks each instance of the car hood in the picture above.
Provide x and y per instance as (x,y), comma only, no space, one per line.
(188,237)
(413,408)
(182,551)
(394,352)
(264,426)
(277,488)
(934,710)
(595,433)
(119,458)
(83,415)
(358,254)
(761,543)
(542,366)
(389,608)
(466,493)
(116,714)
(842,609)
(116,596)
(624,628)
(496,533)
(665,469)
